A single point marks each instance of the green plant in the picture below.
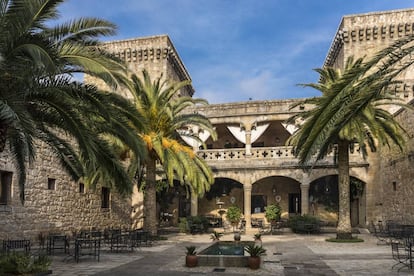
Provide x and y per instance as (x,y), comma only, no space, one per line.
(356,188)
(257,236)
(234,215)
(41,263)
(255,250)
(272,212)
(215,236)
(298,223)
(23,263)
(183,225)
(191,250)
(200,221)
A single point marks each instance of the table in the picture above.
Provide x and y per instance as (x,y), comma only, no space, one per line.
(87,246)
(57,242)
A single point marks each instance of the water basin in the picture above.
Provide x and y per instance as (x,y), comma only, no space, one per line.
(224,254)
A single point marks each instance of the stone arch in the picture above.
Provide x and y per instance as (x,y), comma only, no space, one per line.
(223,193)
(357,172)
(323,199)
(276,189)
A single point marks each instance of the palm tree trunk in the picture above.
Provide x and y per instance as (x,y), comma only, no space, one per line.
(3,136)
(343,230)
(150,202)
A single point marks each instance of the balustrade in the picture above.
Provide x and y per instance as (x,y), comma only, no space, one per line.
(282,153)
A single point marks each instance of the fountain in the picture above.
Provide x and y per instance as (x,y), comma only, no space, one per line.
(224,254)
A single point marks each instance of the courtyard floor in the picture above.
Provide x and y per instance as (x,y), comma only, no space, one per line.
(287,254)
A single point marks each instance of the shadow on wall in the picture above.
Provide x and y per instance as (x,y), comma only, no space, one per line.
(137,216)
(120,214)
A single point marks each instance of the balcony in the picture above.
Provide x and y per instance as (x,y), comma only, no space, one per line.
(265,157)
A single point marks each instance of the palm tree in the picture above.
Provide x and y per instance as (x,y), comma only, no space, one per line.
(39,99)
(162,119)
(352,109)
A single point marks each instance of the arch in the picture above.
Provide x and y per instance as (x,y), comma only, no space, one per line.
(324,199)
(223,193)
(282,190)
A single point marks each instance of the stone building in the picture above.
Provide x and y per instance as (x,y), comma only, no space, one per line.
(252,166)
(389,193)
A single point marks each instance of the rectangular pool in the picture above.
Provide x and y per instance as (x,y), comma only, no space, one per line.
(224,254)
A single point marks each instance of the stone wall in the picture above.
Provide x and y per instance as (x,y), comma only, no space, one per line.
(156,54)
(395,196)
(62,209)
(363,35)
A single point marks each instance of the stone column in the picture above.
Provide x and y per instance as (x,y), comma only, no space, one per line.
(194,129)
(194,204)
(304,190)
(247,188)
(248,128)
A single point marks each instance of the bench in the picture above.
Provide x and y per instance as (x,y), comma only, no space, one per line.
(16,245)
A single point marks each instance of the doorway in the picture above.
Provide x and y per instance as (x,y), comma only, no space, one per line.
(294,204)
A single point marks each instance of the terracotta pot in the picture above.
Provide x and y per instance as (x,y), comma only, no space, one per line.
(191,260)
(254,262)
(237,237)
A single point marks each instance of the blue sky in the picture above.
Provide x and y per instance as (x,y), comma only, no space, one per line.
(237,50)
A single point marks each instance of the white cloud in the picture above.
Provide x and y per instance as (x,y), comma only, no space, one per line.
(237,50)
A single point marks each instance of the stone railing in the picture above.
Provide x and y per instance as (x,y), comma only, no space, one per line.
(272,152)
(222,154)
(282,153)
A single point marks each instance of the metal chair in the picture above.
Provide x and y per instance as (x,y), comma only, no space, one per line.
(401,255)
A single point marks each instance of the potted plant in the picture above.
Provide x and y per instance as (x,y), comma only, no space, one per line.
(258,238)
(272,213)
(191,258)
(215,236)
(234,215)
(255,252)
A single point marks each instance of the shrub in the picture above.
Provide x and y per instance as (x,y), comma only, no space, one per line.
(297,223)
(234,215)
(183,225)
(200,220)
(272,212)
(23,263)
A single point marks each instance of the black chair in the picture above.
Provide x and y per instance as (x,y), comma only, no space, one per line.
(16,245)
(382,236)
(395,229)
(139,238)
(87,246)
(401,255)
(57,242)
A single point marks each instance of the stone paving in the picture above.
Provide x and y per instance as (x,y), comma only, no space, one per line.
(288,254)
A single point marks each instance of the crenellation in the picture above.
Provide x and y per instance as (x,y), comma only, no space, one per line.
(375,32)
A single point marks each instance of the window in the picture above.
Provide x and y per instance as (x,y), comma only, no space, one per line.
(259,202)
(81,188)
(51,184)
(5,187)
(105,197)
